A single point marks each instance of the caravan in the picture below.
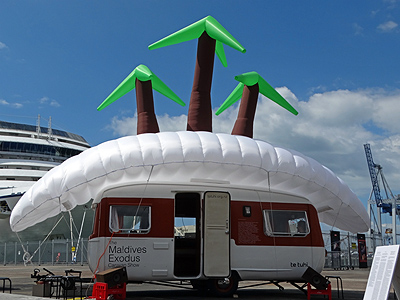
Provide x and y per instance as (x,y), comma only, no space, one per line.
(209,233)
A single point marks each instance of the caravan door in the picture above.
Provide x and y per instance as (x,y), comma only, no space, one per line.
(187,239)
(217,234)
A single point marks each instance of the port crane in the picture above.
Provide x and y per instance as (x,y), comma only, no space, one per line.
(384,205)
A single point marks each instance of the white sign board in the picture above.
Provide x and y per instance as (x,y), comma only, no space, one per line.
(383,272)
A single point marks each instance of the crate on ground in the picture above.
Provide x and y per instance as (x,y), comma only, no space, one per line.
(101,291)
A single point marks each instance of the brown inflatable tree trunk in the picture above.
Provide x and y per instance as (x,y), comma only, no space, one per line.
(247,110)
(147,121)
(200,113)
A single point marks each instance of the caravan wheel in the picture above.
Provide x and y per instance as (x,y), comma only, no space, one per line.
(225,286)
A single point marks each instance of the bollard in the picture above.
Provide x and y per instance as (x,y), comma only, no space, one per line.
(81,252)
(52,252)
(39,254)
(66,252)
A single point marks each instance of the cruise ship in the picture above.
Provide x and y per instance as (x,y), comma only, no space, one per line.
(27,152)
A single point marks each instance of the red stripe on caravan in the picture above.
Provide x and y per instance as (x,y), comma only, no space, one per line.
(162,217)
(250,230)
(245,230)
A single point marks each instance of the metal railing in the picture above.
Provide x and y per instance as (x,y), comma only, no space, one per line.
(347,257)
(50,252)
(60,251)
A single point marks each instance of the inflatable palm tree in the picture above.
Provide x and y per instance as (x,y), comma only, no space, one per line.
(211,37)
(144,81)
(250,85)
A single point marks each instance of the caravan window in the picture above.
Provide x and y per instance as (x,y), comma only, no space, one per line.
(285,223)
(130,219)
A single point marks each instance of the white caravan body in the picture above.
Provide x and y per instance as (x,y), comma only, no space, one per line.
(202,231)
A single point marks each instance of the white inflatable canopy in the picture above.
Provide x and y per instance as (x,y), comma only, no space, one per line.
(178,157)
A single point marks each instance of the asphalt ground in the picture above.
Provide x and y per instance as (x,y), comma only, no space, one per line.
(354,284)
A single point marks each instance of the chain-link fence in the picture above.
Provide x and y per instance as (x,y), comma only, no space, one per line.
(49,252)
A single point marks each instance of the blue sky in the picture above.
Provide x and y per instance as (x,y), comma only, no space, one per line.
(336,62)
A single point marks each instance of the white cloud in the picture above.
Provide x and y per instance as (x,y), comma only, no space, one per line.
(43,100)
(331,128)
(167,123)
(375,12)
(386,112)
(358,30)
(6,103)
(391,3)
(387,26)
(127,126)
(3,46)
(54,103)
(46,100)
(124,126)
